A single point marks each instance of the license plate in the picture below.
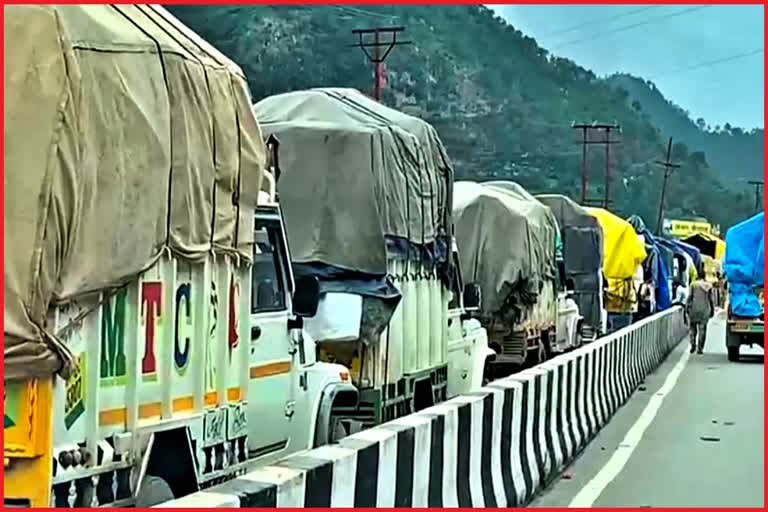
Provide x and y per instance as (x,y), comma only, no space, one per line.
(747,327)
(237,420)
(214,427)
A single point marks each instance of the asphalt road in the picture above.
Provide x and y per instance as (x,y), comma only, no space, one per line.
(703,448)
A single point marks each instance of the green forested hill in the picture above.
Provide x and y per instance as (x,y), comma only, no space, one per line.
(736,154)
(502,105)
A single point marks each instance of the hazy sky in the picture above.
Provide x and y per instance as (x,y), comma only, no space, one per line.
(656,43)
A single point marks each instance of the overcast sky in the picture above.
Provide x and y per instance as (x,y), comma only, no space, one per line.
(663,43)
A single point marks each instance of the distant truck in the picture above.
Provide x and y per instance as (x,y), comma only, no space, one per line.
(743,268)
(507,240)
(623,257)
(580,262)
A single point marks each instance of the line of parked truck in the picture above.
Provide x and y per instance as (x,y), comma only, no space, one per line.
(216,285)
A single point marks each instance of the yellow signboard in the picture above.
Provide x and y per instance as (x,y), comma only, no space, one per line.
(686,228)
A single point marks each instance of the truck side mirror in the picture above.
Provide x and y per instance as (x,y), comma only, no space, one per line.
(472,297)
(306,296)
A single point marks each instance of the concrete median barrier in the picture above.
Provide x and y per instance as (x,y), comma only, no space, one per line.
(496,447)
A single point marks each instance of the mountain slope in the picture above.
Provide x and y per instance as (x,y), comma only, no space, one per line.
(735,153)
(502,105)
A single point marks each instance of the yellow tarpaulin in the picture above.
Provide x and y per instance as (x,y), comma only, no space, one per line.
(711,268)
(623,252)
(719,245)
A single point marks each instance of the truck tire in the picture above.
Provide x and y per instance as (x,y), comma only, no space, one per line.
(339,432)
(733,354)
(577,340)
(153,491)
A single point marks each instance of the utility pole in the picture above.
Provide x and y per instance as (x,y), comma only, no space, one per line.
(585,141)
(377,58)
(758,185)
(669,167)
(583,129)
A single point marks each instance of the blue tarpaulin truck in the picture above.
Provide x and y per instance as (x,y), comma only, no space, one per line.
(743,267)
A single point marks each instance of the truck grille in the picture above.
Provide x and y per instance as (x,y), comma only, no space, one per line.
(514,344)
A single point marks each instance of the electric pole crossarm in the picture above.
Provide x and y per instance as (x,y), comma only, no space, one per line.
(377,58)
(393,30)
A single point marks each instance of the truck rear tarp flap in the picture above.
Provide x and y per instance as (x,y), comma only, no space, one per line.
(506,242)
(583,252)
(108,107)
(743,265)
(623,252)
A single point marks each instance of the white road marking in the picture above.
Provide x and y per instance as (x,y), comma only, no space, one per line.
(590,492)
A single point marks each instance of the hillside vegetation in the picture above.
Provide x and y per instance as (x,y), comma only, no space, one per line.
(502,104)
(735,153)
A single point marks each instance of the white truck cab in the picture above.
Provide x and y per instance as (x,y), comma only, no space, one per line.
(468,350)
(569,323)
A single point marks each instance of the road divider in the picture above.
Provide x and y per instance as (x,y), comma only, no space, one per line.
(496,447)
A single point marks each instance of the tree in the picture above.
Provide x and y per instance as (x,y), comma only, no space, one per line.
(472,65)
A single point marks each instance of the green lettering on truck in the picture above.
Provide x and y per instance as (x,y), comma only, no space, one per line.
(113,338)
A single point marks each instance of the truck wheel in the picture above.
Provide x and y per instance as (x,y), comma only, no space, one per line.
(339,432)
(577,340)
(153,491)
(733,354)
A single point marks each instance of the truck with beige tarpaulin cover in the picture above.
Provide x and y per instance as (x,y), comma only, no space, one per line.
(144,358)
(507,243)
(366,194)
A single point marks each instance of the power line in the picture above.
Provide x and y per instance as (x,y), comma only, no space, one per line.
(354,11)
(709,63)
(635,25)
(599,20)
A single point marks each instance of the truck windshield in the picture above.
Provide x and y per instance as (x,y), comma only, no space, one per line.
(268,292)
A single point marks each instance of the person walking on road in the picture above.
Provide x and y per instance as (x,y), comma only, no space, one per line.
(645,306)
(700,309)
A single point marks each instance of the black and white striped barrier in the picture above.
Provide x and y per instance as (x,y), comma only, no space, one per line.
(496,447)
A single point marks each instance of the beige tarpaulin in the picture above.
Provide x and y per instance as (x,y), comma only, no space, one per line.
(125,134)
(355,173)
(506,242)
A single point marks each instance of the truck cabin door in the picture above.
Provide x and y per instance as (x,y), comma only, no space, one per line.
(455,306)
(271,393)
